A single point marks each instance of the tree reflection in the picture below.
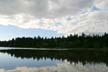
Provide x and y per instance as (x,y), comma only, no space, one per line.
(93,56)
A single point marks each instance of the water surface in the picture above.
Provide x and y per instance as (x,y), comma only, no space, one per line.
(42,60)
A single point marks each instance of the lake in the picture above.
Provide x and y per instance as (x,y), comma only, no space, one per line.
(55,60)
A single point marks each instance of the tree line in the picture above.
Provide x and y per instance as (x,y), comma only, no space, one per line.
(72,41)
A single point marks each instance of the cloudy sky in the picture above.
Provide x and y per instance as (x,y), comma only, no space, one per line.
(52,17)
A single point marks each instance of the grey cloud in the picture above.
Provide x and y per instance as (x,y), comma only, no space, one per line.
(86,15)
(8,7)
(40,8)
(33,7)
(70,7)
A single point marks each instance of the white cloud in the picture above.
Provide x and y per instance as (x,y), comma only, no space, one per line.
(67,17)
(102,4)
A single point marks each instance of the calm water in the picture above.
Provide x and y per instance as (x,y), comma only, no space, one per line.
(34,60)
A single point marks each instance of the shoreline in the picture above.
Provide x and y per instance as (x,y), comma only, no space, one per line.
(24,48)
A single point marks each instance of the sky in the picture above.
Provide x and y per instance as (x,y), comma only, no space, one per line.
(49,18)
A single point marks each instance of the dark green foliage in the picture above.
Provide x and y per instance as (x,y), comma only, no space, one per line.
(72,41)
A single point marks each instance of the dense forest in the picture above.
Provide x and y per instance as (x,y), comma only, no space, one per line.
(72,41)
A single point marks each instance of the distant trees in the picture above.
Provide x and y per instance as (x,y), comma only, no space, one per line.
(72,41)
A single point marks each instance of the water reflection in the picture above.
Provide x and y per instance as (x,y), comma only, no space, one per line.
(19,60)
(64,67)
(84,56)
(10,62)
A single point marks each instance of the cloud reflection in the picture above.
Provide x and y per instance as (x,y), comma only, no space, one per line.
(65,67)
